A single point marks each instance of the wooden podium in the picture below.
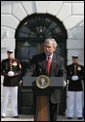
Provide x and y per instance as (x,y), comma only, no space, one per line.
(42,112)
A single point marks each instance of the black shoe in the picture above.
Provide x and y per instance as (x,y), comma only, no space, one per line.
(69,117)
(15,117)
(2,116)
(80,117)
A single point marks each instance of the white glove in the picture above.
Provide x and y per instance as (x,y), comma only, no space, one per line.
(75,77)
(10,73)
(64,83)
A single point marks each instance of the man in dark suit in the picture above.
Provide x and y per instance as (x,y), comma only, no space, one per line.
(51,65)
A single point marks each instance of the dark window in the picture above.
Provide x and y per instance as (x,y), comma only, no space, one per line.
(41,26)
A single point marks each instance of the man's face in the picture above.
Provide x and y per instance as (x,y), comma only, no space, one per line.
(48,48)
(10,55)
(75,60)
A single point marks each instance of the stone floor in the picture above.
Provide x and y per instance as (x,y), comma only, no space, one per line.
(30,118)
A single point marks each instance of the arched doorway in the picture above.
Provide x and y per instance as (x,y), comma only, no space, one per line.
(31,33)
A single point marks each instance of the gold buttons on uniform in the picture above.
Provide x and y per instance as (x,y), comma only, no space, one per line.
(10,65)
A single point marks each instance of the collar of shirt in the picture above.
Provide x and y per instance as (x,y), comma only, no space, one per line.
(50,58)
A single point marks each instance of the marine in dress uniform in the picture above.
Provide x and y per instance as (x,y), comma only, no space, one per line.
(11,69)
(75,73)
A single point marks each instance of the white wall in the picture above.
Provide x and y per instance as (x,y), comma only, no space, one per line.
(71,13)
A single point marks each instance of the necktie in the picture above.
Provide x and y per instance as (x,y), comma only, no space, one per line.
(49,63)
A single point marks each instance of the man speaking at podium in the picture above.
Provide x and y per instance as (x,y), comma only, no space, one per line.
(51,65)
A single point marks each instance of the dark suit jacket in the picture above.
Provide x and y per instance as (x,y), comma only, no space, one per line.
(38,66)
(6,66)
(75,85)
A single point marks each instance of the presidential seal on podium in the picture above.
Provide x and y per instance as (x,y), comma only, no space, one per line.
(42,81)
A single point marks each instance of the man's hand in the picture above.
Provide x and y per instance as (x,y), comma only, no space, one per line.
(4,74)
(65,83)
(20,83)
(16,74)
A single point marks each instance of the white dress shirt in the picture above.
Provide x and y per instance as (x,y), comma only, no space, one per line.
(51,57)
